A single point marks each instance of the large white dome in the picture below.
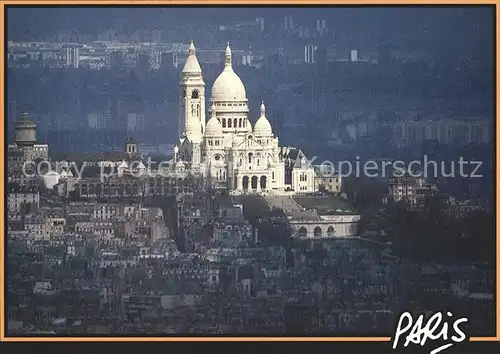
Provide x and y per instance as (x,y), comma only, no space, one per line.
(228,86)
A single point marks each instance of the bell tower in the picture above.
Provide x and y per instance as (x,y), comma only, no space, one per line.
(192,98)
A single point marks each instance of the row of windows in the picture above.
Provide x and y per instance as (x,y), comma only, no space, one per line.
(195,95)
(220,175)
(195,110)
(303,177)
(250,158)
(214,142)
(230,104)
(234,123)
(250,161)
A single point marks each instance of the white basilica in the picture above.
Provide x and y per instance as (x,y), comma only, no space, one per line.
(236,154)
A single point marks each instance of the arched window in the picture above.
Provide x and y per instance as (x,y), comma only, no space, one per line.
(235,123)
(229,121)
(250,155)
(263,182)
(254,182)
(195,94)
(245,182)
(241,121)
(302,232)
(223,123)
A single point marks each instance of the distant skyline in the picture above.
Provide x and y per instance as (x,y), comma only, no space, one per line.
(429,28)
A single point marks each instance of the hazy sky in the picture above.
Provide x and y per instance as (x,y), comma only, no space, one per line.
(29,19)
(431,27)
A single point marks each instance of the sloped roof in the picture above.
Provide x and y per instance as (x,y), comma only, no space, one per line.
(301,160)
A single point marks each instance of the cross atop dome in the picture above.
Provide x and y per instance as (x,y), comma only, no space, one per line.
(262,109)
(192,49)
(227,62)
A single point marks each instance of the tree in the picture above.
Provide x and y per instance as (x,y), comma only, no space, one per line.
(365,192)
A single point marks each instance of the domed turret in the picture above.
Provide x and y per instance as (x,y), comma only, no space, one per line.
(192,66)
(25,131)
(228,86)
(213,126)
(262,127)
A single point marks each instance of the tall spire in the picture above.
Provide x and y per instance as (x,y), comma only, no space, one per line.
(192,49)
(227,62)
(262,109)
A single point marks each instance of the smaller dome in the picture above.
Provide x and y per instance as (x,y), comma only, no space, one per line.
(141,166)
(192,65)
(64,174)
(213,126)
(262,126)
